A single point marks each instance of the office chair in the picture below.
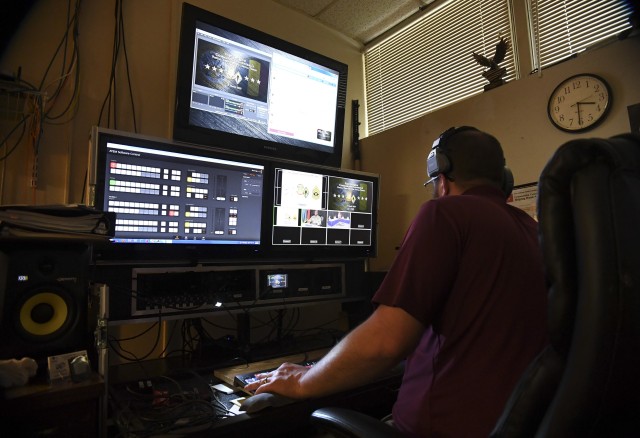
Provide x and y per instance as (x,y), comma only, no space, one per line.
(586,382)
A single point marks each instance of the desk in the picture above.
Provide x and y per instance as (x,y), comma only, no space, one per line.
(375,399)
(59,410)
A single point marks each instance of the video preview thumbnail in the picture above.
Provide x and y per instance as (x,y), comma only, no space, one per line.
(232,71)
(350,195)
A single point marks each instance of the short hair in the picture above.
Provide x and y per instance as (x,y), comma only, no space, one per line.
(474,155)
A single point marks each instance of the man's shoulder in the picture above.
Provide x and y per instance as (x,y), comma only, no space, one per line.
(462,202)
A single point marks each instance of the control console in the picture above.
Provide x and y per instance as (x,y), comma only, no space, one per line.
(168,290)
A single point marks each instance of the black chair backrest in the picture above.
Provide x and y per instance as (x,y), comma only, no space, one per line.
(587,381)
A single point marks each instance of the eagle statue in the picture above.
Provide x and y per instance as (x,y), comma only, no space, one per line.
(494,73)
(501,51)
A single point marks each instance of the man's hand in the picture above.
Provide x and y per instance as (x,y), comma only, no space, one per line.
(368,351)
(284,381)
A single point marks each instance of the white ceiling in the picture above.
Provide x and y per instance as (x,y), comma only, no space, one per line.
(362,20)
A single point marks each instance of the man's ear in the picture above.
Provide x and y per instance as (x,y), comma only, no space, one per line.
(445,185)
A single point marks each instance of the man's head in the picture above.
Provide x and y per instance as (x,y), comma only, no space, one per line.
(468,157)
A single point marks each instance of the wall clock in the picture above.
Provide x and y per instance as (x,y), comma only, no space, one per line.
(579,102)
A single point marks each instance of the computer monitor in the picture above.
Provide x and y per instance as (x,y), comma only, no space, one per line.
(321,212)
(241,89)
(175,201)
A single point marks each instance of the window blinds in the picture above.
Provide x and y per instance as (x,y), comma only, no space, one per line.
(429,64)
(564,28)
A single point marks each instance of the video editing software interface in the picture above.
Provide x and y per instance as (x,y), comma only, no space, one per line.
(168,197)
(248,88)
(322,209)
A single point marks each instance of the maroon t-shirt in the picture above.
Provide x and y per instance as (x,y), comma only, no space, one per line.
(469,269)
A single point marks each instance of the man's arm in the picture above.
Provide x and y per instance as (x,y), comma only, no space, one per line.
(371,349)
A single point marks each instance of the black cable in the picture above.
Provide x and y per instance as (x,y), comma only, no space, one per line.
(126,60)
(17,143)
(218,326)
(72,99)
(147,330)
(116,52)
(110,100)
(189,343)
(114,58)
(55,54)
(72,27)
(294,320)
(133,357)
(173,331)
(167,411)
(83,194)
(28,88)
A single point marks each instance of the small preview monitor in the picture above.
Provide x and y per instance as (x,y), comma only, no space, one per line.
(277,281)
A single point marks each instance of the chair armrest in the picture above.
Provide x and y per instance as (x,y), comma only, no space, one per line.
(349,423)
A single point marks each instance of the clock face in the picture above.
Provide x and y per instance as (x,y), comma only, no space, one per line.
(579,103)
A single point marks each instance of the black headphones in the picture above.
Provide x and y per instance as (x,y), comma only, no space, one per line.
(439,163)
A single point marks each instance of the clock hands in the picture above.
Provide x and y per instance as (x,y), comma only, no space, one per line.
(581,102)
(577,104)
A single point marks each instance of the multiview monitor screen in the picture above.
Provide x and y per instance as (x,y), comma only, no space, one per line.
(172,196)
(241,89)
(323,210)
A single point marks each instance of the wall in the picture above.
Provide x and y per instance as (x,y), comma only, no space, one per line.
(515,113)
(151,36)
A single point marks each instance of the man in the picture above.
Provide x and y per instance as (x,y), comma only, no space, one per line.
(315,219)
(464,302)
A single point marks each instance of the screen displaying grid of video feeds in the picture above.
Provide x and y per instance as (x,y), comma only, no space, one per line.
(319,208)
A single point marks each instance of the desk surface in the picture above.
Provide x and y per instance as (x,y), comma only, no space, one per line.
(375,399)
(40,394)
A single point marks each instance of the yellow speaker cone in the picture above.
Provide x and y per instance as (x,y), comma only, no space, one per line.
(58,317)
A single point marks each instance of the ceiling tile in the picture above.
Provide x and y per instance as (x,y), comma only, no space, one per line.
(308,7)
(361,20)
(365,19)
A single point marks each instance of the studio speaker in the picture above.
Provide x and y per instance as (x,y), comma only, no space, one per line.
(43,299)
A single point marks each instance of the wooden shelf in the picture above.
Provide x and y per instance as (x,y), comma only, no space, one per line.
(42,408)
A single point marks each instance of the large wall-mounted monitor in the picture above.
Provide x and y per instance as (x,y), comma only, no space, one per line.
(241,89)
(174,201)
(323,212)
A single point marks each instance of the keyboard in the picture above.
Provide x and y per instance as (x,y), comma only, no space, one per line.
(242,380)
